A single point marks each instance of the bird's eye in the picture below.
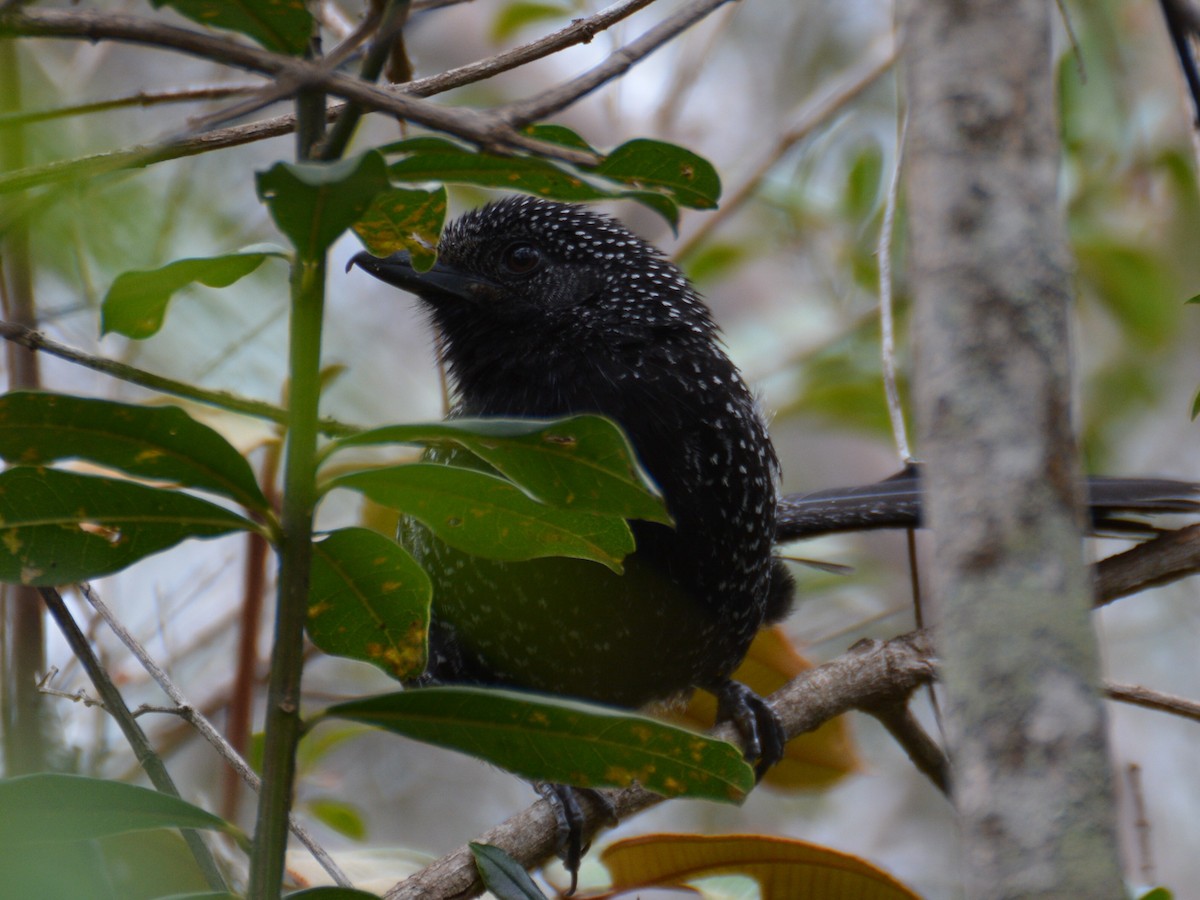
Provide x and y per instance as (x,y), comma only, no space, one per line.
(521,258)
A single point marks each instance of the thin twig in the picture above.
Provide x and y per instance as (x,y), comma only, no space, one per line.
(887,319)
(114,705)
(922,750)
(488,130)
(686,75)
(1140,696)
(1141,823)
(580,31)
(1169,557)
(205,728)
(257,409)
(141,98)
(618,63)
(815,113)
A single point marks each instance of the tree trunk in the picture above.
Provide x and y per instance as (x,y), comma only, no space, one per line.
(991,277)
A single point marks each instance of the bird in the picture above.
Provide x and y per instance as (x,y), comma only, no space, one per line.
(897,502)
(546,309)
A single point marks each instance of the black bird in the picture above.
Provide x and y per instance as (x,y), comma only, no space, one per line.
(547,309)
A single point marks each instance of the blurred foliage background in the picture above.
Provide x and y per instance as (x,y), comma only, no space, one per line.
(792,276)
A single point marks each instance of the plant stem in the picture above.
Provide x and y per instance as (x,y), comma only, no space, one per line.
(26,742)
(283,726)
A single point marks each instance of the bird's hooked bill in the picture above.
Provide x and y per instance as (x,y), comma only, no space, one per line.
(442,280)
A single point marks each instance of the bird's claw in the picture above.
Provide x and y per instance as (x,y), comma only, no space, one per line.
(758,725)
(570,821)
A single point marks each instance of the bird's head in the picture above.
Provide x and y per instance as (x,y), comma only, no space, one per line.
(552,271)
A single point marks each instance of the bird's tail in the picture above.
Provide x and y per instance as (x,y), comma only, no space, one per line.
(896,502)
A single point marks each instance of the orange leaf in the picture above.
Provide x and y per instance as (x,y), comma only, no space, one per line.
(783,867)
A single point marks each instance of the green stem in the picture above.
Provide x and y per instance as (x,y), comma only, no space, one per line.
(27,744)
(283,726)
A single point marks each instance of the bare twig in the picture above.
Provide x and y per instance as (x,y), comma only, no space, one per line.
(580,31)
(813,115)
(488,130)
(924,751)
(685,76)
(1168,703)
(887,321)
(1133,776)
(620,62)
(35,340)
(205,728)
(141,98)
(1169,557)
(869,675)
(114,705)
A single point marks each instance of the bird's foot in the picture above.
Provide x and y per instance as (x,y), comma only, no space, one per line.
(763,737)
(564,800)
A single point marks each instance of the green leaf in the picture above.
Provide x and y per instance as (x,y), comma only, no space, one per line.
(863,183)
(584,463)
(487,516)
(50,807)
(1158,893)
(437,159)
(515,16)
(503,875)
(369,600)
(564,741)
(58,527)
(136,303)
(1138,291)
(332,893)
(690,179)
(341,817)
(136,865)
(714,260)
(552,133)
(313,203)
(1196,407)
(404,220)
(281,25)
(162,443)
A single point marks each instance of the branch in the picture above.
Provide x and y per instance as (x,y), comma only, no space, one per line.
(114,705)
(815,113)
(620,62)
(141,98)
(1140,696)
(35,340)
(580,31)
(203,726)
(870,675)
(1169,557)
(485,129)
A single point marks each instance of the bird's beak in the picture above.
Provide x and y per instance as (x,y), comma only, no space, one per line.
(440,282)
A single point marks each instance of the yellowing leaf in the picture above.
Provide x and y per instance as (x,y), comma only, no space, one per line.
(784,868)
